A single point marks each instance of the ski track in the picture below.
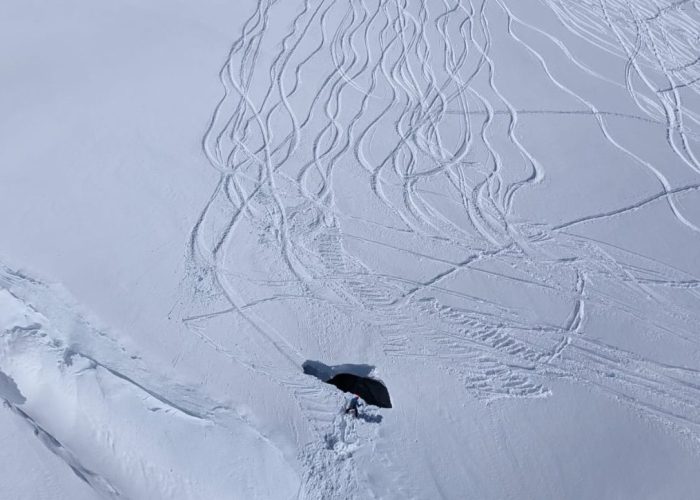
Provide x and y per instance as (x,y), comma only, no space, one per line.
(304,106)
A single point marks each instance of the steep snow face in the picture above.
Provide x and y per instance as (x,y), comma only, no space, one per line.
(494,203)
(79,392)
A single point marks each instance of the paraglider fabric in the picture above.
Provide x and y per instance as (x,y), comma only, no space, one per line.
(372,391)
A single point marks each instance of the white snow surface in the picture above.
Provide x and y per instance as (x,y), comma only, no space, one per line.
(494,204)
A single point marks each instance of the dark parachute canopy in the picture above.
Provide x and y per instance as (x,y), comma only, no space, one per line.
(370,390)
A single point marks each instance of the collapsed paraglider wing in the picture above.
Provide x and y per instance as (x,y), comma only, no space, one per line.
(372,391)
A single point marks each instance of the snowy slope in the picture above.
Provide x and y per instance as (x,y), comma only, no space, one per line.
(493,204)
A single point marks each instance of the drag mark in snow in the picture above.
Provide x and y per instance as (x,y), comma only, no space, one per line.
(353,130)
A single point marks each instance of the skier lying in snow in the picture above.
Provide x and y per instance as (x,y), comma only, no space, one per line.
(353,407)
